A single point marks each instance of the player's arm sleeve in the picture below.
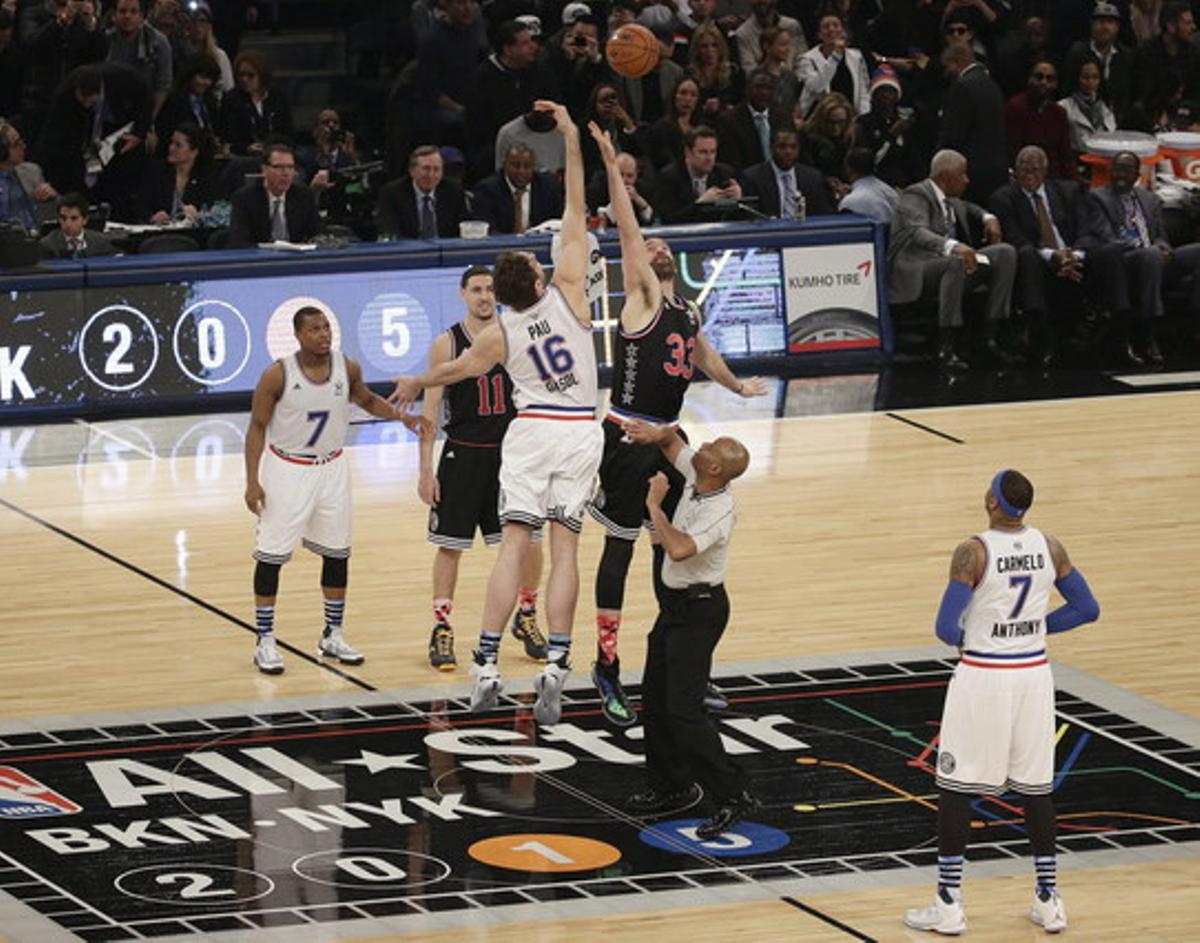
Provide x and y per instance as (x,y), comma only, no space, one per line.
(1080,608)
(955,600)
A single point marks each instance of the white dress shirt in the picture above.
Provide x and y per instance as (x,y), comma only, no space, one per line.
(708,519)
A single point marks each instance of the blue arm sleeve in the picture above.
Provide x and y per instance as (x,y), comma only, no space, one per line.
(1081,605)
(955,600)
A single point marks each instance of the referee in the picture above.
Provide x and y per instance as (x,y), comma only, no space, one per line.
(683,747)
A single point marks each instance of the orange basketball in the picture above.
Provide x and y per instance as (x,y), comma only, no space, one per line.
(632,51)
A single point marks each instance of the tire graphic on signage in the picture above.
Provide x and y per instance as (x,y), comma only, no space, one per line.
(832,325)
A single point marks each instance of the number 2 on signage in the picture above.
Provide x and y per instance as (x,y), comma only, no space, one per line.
(119,333)
(198,885)
(320,417)
(1024,582)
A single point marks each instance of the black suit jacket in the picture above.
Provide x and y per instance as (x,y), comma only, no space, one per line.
(492,201)
(1066,205)
(54,245)
(396,212)
(759,181)
(240,124)
(676,203)
(973,124)
(737,138)
(250,221)
(159,190)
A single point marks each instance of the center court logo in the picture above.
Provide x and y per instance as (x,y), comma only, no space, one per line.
(24,798)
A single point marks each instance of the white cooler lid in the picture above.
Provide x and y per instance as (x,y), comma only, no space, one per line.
(1180,140)
(1111,143)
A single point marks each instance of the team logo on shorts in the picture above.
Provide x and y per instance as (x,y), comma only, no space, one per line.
(598,500)
(946,762)
(23,797)
(433,520)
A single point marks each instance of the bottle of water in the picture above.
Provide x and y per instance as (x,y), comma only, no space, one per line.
(801,208)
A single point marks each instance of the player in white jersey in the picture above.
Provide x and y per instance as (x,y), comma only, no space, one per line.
(298,483)
(552,448)
(997,731)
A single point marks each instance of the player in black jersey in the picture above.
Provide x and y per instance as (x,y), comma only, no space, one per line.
(463,495)
(659,347)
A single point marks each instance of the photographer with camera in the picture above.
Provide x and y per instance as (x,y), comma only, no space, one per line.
(576,59)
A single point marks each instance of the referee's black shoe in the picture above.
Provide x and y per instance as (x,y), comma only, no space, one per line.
(613,700)
(653,801)
(728,814)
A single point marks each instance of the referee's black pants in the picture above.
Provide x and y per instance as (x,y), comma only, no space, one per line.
(681,740)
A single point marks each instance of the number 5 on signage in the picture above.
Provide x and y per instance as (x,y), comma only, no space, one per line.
(395,332)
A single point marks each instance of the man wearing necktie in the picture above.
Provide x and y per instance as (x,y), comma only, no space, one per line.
(688,187)
(277,209)
(425,204)
(72,240)
(518,197)
(1131,218)
(931,252)
(1059,254)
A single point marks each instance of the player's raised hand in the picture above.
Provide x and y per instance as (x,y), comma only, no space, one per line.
(256,498)
(406,392)
(562,118)
(753,386)
(657,489)
(642,432)
(604,142)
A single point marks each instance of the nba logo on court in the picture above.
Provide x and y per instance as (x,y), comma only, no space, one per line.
(25,798)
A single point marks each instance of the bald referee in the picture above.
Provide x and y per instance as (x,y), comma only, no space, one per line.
(683,747)
(997,730)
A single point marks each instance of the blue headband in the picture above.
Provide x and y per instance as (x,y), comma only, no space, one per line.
(1001,500)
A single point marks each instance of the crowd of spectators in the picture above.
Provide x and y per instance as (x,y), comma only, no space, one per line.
(757,108)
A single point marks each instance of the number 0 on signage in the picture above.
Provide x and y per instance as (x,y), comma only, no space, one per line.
(544,853)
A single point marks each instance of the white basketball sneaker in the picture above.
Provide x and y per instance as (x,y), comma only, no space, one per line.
(266,656)
(334,645)
(945,915)
(485,695)
(1049,914)
(548,687)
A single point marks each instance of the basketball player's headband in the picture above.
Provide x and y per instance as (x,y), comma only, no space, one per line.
(1005,506)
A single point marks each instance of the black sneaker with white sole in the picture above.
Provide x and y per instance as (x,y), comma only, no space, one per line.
(728,814)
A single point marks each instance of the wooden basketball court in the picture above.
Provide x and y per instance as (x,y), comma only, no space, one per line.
(127,592)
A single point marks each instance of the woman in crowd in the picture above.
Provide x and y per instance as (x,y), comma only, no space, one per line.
(777,57)
(830,133)
(664,140)
(834,66)
(193,99)
(254,112)
(1087,111)
(202,40)
(720,80)
(183,186)
(607,109)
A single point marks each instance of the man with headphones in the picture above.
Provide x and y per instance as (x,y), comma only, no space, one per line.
(25,196)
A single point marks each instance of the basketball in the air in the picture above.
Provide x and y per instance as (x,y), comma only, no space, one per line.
(632,51)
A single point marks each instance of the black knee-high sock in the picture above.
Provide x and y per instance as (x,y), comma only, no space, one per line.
(1040,822)
(954,826)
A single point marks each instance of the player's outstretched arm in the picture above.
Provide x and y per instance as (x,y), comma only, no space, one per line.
(643,292)
(262,407)
(966,566)
(709,359)
(475,361)
(647,433)
(1081,606)
(440,352)
(570,272)
(362,396)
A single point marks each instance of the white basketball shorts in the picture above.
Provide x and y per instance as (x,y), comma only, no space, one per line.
(548,470)
(304,502)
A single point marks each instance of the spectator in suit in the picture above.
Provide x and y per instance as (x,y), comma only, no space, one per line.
(888,131)
(778,183)
(25,196)
(83,127)
(931,251)
(1131,218)
(135,43)
(636,185)
(72,239)
(973,121)
(698,181)
(745,131)
(1034,117)
(503,87)
(423,204)
(1049,224)
(185,184)
(517,197)
(869,196)
(1088,113)
(748,36)
(833,66)
(1114,60)
(719,78)
(276,208)
(664,138)
(193,99)
(255,111)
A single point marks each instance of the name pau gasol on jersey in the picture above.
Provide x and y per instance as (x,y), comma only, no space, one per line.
(552,357)
(167,804)
(1018,563)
